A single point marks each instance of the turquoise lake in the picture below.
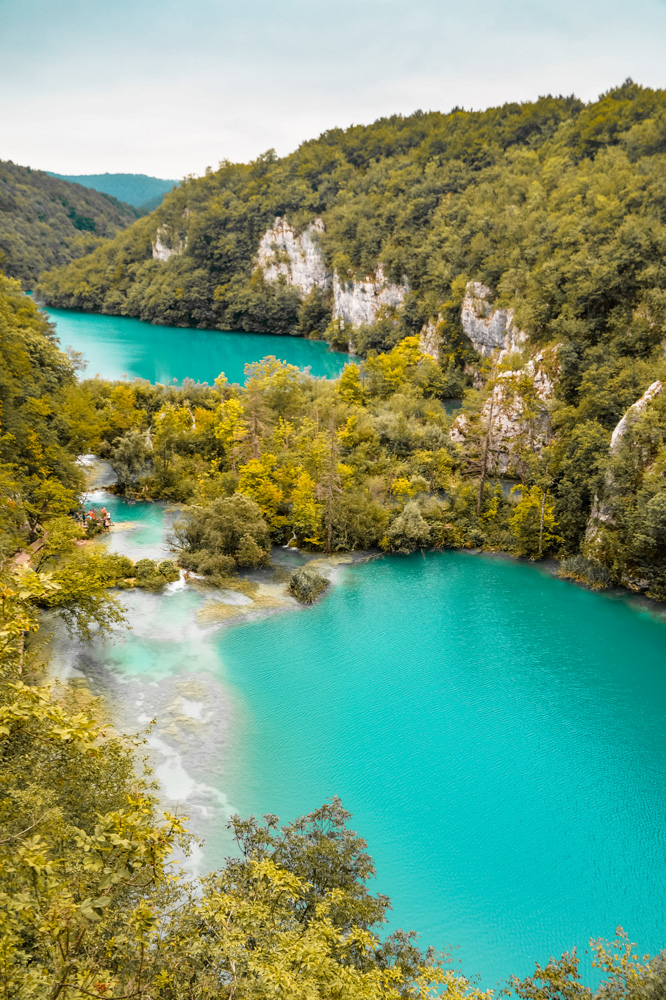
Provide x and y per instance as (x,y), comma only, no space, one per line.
(118,347)
(498,734)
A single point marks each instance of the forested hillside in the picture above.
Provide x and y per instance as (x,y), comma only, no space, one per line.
(46,222)
(554,205)
(524,246)
(139,190)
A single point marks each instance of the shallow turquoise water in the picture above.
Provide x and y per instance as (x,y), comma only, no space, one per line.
(498,734)
(117,347)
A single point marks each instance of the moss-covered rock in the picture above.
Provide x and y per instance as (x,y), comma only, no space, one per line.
(306,584)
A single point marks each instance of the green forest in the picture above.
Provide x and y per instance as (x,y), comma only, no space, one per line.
(555,205)
(46,222)
(92,902)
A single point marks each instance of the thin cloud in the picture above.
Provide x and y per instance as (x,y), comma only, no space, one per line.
(167,88)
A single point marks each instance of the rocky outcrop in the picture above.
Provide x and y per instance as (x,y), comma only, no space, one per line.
(632,415)
(517,411)
(489,329)
(602,514)
(161,249)
(359,303)
(429,339)
(294,258)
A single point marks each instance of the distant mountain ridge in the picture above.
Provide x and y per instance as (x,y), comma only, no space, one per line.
(139,190)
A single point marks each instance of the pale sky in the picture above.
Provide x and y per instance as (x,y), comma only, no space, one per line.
(169,87)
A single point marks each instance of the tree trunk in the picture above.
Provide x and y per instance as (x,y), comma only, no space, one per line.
(484,459)
(329,490)
(543,512)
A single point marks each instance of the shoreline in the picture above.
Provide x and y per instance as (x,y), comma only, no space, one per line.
(46,306)
(549,565)
(166,683)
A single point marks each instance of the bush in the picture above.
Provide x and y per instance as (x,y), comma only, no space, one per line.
(151,576)
(121,566)
(228,535)
(585,571)
(144,568)
(409,531)
(306,584)
(168,569)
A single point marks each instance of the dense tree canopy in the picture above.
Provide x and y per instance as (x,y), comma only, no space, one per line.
(557,206)
(46,222)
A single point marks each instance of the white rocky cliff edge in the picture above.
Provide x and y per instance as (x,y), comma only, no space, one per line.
(632,414)
(518,413)
(161,249)
(359,303)
(296,259)
(602,514)
(489,329)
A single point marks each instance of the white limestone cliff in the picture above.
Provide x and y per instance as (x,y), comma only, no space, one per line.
(296,258)
(161,249)
(359,303)
(602,514)
(518,413)
(489,329)
(429,339)
(633,414)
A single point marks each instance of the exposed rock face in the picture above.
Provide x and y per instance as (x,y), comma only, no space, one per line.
(518,414)
(602,514)
(359,302)
(632,414)
(489,329)
(429,339)
(161,251)
(283,253)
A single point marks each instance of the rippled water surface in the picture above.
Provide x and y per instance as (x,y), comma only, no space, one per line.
(498,734)
(117,346)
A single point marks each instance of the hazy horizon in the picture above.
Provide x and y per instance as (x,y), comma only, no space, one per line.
(167,89)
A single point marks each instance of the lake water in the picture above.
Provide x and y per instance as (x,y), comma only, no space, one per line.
(118,347)
(498,734)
